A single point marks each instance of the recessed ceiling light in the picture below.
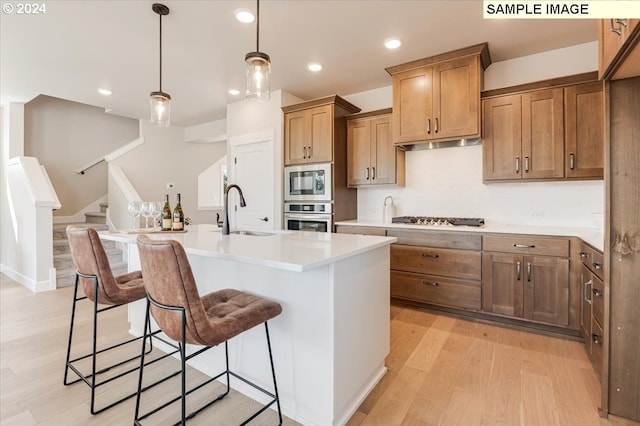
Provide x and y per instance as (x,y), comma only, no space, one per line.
(244,15)
(105,92)
(392,43)
(314,67)
(234,92)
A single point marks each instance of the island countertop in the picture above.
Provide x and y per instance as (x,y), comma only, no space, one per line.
(296,251)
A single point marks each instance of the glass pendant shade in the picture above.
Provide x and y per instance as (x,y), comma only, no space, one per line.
(160,108)
(258,72)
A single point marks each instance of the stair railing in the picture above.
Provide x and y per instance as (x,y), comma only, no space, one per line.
(111,156)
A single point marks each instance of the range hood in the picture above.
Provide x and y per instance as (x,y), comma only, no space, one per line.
(442,144)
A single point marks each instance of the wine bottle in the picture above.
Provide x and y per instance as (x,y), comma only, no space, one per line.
(178,215)
(167,216)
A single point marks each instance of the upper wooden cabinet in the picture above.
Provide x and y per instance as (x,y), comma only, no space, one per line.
(546,134)
(372,159)
(618,48)
(438,98)
(311,129)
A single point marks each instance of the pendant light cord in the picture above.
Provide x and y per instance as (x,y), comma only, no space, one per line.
(257,25)
(160,14)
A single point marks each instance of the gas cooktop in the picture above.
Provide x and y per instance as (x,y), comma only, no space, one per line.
(439,221)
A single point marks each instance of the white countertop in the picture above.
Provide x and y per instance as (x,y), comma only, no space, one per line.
(591,236)
(290,250)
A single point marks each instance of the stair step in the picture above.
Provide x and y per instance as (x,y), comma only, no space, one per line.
(66,277)
(60,229)
(103,207)
(96,217)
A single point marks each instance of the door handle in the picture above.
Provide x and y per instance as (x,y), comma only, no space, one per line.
(614,30)
(528,271)
(517,164)
(304,149)
(572,161)
(309,151)
(428,126)
(437,127)
(373,173)
(518,268)
(526,164)
(264,219)
(586,292)
(367,178)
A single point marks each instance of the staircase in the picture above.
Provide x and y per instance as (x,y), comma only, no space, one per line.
(62,261)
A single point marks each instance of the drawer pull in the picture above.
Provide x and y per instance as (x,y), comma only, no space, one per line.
(586,292)
(528,272)
(597,292)
(433,283)
(367,176)
(572,161)
(517,164)
(596,265)
(428,126)
(583,255)
(524,245)
(518,271)
(614,30)
(526,164)
(596,338)
(433,256)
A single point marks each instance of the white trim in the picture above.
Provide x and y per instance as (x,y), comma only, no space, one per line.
(124,183)
(34,286)
(124,149)
(266,136)
(214,139)
(57,204)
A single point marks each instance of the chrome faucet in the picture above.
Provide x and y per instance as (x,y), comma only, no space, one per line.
(225,219)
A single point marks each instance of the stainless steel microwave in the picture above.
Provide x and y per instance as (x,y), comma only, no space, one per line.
(309,182)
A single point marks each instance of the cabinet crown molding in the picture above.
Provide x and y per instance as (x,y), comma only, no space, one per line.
(481,50)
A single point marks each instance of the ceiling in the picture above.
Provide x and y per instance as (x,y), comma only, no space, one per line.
(78,46)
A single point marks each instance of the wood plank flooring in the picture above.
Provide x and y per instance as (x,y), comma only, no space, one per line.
(442,371)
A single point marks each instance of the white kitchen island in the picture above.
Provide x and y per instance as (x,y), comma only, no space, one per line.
(330,342)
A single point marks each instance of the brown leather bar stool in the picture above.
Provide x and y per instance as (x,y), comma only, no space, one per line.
(101,287)
(187,318)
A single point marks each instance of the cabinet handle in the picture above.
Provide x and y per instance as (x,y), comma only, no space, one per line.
(304,149)
(367,178)
(571,161)
(517,164)
(264,219)
(373,173)
(428,126)
(431,255)
(309,151)
(596,338)
(524,245)
(596,265)
(526,164)
(585,292)
(597,293)
(583,255)
(614,30)
(437,126)
(433,283)
(528,271)
(518,271)
(622,22)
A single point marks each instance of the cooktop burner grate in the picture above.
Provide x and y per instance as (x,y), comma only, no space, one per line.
(439,221)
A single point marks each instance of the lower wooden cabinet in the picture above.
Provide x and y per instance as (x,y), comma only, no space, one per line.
(436,290)
(529,287)
(592,305)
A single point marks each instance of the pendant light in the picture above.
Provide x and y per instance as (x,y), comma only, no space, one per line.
(258,67)
(159,101)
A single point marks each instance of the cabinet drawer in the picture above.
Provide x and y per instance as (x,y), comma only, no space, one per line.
(597,264)
(450,240)
(524,244)
(597,337)
(436,290)
(597,296)
(361,230)
(433,261)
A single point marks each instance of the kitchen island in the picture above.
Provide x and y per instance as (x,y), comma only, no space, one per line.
(330,342)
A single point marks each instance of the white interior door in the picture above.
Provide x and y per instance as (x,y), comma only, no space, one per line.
(252,168)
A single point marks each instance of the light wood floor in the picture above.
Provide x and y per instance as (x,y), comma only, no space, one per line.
(442,371)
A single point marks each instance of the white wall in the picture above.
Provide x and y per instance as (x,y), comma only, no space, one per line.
(164,158)
(65,136)
(448,182)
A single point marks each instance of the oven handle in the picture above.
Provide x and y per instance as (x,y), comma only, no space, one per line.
(307,216)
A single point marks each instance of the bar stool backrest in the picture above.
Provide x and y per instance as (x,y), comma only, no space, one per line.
(90,258)
(168,279)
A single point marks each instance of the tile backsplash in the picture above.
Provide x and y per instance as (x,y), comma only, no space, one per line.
(448,182)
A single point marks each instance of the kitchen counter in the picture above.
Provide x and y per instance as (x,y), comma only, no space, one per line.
(592,236)
(330,342)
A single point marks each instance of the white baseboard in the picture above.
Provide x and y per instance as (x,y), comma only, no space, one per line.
(34,286)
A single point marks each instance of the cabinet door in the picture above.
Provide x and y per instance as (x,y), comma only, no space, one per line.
(543,134)
(413,105)
(546,289)
(296,130)
(358,152)
(456,99)
(502,140)
(320,142)
(383,153)
(502,284)
(609,43)
(584,131)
